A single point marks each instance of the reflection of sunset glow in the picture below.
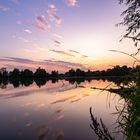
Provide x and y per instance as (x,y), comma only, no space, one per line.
(56,103)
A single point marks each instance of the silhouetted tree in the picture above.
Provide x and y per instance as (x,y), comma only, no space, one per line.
(54,74)
(0,75)
(79,73)
(89,73)
(70,73)
(5,74)
(75,73)
(15,73)
(96,73)
(40,73)
(26,73)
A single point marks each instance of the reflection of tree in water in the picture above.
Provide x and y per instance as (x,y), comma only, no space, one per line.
(40,81)
(78,81)
(26,82)
(54,80)
(120,80)
(15,82)
(4,83)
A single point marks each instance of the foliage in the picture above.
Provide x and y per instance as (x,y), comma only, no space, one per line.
(54,74)
(131,20)
(40,73)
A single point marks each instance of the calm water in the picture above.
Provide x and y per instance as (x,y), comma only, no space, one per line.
(55,111)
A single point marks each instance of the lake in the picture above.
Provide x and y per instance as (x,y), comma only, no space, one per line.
(56,110)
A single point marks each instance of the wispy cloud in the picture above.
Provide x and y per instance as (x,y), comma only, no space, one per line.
(63,53)
(28,31)
(41,23)
(57,36)
(16,59)
(23,39)
(64,63)
(4,9)
(53,15)
(84,56)
(73,51)
(19,22)
(72,2)
(57,42)
(23,63)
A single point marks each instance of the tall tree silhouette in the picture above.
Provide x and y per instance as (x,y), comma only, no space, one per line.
(40,73)
(15,73)
(26,73)
(54,74)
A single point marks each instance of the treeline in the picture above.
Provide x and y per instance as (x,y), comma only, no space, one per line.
(42,73)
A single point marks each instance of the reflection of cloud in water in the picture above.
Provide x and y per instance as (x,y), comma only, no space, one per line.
(58,111)
(59,117)
(66,89)
(60,135)
(73,101)
(85,95)
(26,114)
(28,104)
(13,95)
(25,91)
(19,133)
(43,132)
(64,99)
(41,105)
(29,124)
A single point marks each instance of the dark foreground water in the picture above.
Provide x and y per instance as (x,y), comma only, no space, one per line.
(55,111)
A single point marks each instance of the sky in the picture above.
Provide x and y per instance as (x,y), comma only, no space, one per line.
(62,34)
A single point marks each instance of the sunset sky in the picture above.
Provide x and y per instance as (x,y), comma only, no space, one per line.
(62,34)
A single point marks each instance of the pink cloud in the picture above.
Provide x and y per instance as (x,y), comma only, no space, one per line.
(41,23)
(53,15)
(63,53)
(52,6)
(28,31)
(58,36)
(23,39)
(49,65)
(19,22)
(72,2)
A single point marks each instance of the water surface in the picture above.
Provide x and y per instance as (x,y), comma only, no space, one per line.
(55,111)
